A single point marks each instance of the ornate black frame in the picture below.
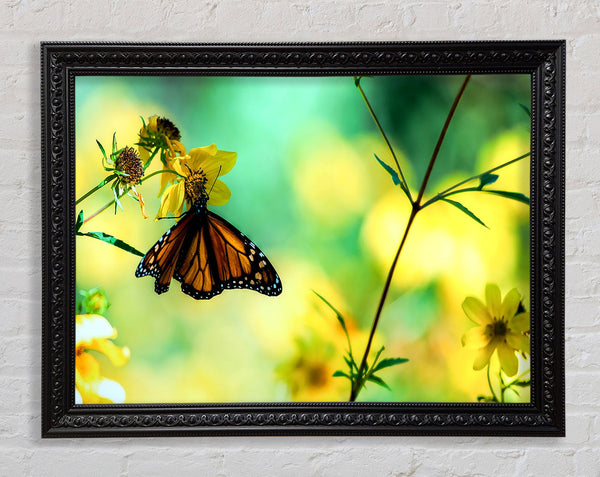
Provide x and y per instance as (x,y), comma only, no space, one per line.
(543,60)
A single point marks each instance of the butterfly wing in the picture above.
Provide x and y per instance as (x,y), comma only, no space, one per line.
(161,259)
(217,256)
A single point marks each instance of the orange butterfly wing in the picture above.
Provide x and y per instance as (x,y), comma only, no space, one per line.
(220,257)
(159,262)
(208,255)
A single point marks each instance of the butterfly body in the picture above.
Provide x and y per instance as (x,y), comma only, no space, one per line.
(207,255)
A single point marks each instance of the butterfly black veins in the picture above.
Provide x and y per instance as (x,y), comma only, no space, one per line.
(207,255)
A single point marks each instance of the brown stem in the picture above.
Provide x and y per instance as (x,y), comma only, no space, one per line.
(356,389)
(415,210)
(436,150)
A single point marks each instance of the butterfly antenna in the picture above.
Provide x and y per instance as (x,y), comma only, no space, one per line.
(215,181)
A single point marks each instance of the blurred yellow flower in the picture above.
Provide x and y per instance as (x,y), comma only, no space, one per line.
(501,327)
(160,134)
(201,169)
(93,332)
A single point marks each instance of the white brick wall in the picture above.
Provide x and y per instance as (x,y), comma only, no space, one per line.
(25,23)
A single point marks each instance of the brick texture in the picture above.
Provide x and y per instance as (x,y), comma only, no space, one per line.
(24,23)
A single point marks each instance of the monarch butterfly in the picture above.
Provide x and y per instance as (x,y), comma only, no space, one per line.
(208,255)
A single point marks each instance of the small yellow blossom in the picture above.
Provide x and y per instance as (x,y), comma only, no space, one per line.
(94,332)
(501,327)
(199,172)
(161,135)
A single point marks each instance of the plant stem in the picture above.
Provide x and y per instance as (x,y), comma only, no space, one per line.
(489,171)
(94,189)
(356,389)
(106,206)
(374,116)
(438,145)
(415,210)
(490,383)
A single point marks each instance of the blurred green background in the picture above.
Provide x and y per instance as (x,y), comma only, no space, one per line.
(307,190)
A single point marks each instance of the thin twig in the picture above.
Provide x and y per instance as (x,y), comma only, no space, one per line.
(415,209)
(374,116)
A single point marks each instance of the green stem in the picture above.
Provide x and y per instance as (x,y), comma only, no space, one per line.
(94,189)
(106,206)
(502,386)
(374,116)
(493,169)
(356,388)
(490,384)
(440,140)
(151,157)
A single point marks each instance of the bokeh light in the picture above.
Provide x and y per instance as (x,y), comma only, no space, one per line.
(308,191)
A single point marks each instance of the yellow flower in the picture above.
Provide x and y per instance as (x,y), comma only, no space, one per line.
(501,327)
(160,134)
(93,332)
(200,170)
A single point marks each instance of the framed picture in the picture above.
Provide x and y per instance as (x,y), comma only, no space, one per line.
(352,238)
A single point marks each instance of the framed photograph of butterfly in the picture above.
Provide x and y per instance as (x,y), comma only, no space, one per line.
(351,238)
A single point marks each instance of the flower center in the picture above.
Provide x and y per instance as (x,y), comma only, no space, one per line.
(499,328)
(130,163)
(195,186)
(166,127)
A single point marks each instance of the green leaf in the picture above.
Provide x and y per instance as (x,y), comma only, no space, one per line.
(143,121)
(112,241)
(79,221)
(339,316)
(522,384)
(101,149)
(461,207)
(378,380)
(114,143)
(526,109)
(377,355)
(486,179)
(357,81)
(387,362)
(390,171)
(117,201)
(341,374)
(510,195)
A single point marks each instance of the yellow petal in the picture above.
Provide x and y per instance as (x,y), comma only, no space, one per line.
(180,148)
(520,323)
(89,327)
(179,165)
(198,156)
(118,356)
(219,165)
(508,359)
(141,201)
(483,356)
(476,311)
(87,367)
(510,304)
(493,299)
(220,194)
(476,338)
(519,342)
(172,200)
(152,124)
